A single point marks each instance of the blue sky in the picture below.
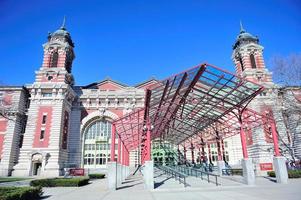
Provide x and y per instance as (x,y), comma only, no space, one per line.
(131,41)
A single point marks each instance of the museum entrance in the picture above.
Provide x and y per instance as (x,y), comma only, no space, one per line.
(36,168)
(192,110)
(96,144)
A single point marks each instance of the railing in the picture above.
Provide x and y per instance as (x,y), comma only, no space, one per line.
(231,172)
(211,178)
(177,175)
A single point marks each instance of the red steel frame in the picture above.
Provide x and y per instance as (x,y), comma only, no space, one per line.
(204,104)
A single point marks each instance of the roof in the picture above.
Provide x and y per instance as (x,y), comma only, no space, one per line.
(188,104)
(62,32)
(96,85)
(244,38)
(147,83)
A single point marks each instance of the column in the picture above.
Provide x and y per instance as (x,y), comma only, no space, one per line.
(192,153)
(149,164)
(220,162)
(247,165)
(112,167)
(113,137)
(209,154)
(278,160)
(185,155)
(179,156)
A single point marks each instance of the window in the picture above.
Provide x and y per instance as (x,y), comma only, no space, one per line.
(46,94)
(214,156)
(89,159)
(253,62)
(44,119)
(24,123)
(109,157)
(225,144)
(96,144)
(101,159)
(227,156)
(99,129)
(241,64)
(54,59)
(21,141)
(1,99)
(65,130)
(42,134)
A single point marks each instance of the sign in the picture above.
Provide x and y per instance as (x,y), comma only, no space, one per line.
(77,172)
(266,166)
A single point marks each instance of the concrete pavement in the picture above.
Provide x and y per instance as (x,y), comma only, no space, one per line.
(133,189)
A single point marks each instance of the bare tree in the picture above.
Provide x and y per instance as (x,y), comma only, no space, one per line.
(6,109)
(290,115)
(287,72)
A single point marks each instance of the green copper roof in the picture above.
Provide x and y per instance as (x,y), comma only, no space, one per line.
(62,32)
(244,37)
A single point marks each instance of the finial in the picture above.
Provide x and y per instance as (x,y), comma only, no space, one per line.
(64,23)
(242,30)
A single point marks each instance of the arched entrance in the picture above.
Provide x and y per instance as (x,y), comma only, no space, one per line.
(96,147)
(36,164)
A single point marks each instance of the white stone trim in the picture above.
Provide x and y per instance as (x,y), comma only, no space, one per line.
(99,114)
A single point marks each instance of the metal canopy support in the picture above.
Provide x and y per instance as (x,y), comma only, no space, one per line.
(113,136)
(190,107)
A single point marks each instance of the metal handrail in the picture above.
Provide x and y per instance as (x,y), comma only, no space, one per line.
(199,173)
(231,172)
(177,175)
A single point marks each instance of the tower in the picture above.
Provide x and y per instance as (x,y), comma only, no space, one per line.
(58,58)
(44,149)
(248,58)
(249,63)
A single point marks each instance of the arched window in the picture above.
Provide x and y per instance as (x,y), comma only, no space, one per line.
(54,59)
(98,129)
(109,157)
(227,156)
(101,159)
(241,64)
(95,144)
(214,156)
(89,159)
(253,62)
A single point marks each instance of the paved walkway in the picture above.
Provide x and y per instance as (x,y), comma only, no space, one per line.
(163,181)
(16,183)
(133,189)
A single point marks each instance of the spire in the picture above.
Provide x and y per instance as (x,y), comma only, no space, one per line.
(242,30)
(64,24)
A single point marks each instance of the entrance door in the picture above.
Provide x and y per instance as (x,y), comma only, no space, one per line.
(36,170)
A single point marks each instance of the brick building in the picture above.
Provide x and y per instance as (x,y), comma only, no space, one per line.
(52,124)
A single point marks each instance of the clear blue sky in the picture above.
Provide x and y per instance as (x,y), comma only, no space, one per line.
(130,41)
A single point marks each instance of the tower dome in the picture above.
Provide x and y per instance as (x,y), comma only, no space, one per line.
(244,38)
(61,34)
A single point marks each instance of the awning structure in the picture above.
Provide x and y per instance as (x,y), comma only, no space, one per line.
(195,106)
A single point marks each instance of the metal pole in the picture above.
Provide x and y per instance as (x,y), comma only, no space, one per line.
(243,140)
(113,136)
(275,138)
(216,180)
(119,150)
(209,154)
(192,153)
(219,156)
(148,142)
(123,154)
(184,154)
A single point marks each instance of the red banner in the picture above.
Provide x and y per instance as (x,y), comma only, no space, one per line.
(266,166)
(77,172)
